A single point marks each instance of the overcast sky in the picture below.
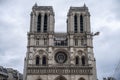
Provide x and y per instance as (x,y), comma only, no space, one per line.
(15,21)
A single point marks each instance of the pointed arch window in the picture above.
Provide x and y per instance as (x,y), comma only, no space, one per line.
(83,60)
(76,42)
(77,60)
(37,41)
(44,60)
(81,23)
(82,42)
(37,60)
(45,23)
(75,23)
(39,23)
(45,41)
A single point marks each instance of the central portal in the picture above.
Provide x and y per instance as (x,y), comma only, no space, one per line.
(60,78)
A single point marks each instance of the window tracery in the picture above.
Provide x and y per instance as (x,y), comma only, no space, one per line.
(75,23)
(37,60)
(45,23)
(77,60)
(44,60)
(83,60)
(39,23)
(81,23)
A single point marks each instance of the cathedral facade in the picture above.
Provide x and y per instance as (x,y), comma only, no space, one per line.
(60,56)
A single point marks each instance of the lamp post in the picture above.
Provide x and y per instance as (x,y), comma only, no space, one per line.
(95,34)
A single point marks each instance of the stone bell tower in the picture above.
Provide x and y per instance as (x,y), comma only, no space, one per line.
(59,56)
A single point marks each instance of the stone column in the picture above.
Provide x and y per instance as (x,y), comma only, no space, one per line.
(50,56)
(68,27)
(71,41)
(88,23)
(51,42)
(69,23)
(35,21)
(85,23)
(31,20)
(32,41)
(72,23)
(72,56)
(51,23)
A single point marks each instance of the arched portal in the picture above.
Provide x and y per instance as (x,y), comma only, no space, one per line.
(60,78)
(81,79)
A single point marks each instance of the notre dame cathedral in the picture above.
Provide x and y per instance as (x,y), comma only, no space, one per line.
(60,56)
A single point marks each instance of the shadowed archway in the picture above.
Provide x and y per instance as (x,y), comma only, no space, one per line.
(60,78)
(81,79)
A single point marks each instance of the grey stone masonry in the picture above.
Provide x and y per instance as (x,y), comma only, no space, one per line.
(60,56)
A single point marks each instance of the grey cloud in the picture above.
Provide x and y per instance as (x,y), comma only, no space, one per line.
(106,51)
(3,1)
(115,9)
(13,29)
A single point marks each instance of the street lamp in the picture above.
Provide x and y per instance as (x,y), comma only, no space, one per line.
(95,34)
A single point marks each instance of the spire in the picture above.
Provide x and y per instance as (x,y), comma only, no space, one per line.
(35,5)
(84,5)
